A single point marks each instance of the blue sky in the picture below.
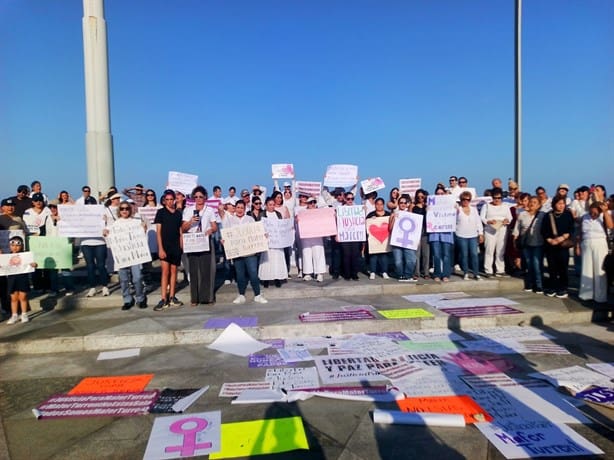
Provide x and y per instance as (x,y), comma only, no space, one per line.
(223,89)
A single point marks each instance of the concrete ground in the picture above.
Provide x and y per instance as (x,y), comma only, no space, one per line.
(59,347)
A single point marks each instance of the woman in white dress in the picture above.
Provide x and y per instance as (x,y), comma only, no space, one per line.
(272,262)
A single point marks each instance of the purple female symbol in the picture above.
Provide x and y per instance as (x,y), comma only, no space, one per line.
(189,445)
(404,240)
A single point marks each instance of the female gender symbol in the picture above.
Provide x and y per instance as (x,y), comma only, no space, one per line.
(404,240)
(189,445)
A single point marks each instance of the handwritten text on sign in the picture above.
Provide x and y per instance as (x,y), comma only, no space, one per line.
(441,214)
(15,264)
(279,231)
(341,175)
(351,224)
(407,230)
(195,242)
(182,182)
(244,240)
(81,221)
(128,243)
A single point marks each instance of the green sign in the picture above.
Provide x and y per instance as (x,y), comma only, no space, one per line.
(51,251)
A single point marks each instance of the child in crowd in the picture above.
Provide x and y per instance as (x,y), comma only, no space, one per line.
(18,286)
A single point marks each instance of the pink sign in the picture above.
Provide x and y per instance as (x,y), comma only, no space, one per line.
(410,185)
(308,188)
(317,222)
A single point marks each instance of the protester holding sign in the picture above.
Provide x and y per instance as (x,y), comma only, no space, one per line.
(200,219)
(124,223)
(528,239)
(314,259)
(404,258)
(378,261)
(246,267)
(469,232)
(18,286)
(351,235)
(442,248)
(423,253)
(272,262)
(168,227)
(55,275)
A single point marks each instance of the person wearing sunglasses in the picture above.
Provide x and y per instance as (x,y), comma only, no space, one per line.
(18,286)
(496,216)
(200,218)
(404,258)
(257,209)
(125,222)
(442,248)
(351,251)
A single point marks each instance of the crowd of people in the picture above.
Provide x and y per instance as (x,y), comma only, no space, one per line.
(505,232)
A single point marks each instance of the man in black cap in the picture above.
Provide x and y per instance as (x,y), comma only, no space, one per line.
(22,200)
(8,219)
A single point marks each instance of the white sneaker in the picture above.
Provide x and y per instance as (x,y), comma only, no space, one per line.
(320,278)
(372,276)
(13,319)
(105,291)
(24,318)
(227,282)
(91,292)
(307,278)
(260,299)
(466,277)
(240,299)
(385,276)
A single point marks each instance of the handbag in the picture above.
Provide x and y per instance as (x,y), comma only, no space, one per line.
(521,242)
(565,244)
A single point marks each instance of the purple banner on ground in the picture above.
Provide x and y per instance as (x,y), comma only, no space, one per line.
(223,323)
(266,361)
(390,335)
(598,395)
(315,317)
(485,310)
(97,405)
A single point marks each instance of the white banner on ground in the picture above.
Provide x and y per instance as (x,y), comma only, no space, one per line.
(282,171)
(182,182)
(128,243)
(407,230)
(351,224)
(15,264)
(195,242)
(280,232)
(244,240)
(441,214)
(341,175)
(81,221)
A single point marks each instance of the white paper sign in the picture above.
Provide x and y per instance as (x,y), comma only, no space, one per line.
(519,333)
(603,368)
(433,335)
(372,184)
(407,230)
(185,435)
(118,354)
(576,378)
(280,232)
(182,182)
(292,378)
(351,224)
(232,389)
(473,302)
(128,243)
(341,369)
(81,221)
(409,186)
(236,341)
(15,264)
(441,214)
(282,171)
(147,213)
(244,240)
(341,175)
(195,242)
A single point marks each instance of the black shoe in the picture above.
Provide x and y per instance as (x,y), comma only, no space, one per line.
(355,278)
(265,284)
(277,283)
(336,276)
(143,303)
(128,305)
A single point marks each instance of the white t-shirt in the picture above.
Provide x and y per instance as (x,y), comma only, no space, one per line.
(207,216)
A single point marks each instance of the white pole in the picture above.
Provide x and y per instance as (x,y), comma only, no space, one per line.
(98,139)
(518,97)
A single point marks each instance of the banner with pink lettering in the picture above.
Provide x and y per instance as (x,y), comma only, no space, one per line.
(351,224)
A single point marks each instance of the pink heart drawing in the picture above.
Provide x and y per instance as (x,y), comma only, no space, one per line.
(379,232)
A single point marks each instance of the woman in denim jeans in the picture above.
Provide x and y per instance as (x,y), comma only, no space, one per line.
(404,258)
(442,248)
(469,232)
(528,231)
